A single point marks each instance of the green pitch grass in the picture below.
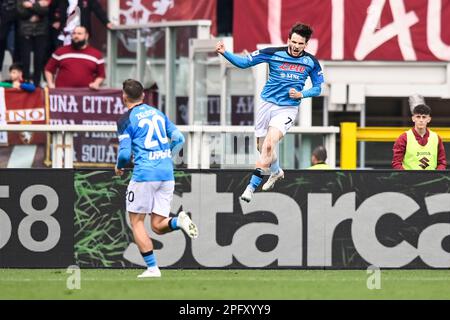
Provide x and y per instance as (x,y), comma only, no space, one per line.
(225,284)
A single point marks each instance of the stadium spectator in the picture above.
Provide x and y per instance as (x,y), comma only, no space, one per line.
(77,64)
(73,17)
(8,20)
(289,66)
(55,18)
(318,158)
(152,138)
(419,148)
(33,29)
(16,79)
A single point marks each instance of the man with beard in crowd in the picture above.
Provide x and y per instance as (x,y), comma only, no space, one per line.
(76,65)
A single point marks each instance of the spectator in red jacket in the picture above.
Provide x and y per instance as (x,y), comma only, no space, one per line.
(419,148)
(76,65)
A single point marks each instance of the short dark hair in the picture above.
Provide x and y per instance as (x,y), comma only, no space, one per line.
(422,109)
(133,89)
(320,153)
(302,29)
(16,66)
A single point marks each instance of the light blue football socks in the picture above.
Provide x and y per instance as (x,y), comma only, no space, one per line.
(149,259)
(256,179)
(173,224)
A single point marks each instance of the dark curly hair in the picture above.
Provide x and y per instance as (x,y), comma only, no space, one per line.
(422,109)
(302,29)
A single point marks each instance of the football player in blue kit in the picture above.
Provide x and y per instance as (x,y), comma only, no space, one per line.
(148,135)
(289,67)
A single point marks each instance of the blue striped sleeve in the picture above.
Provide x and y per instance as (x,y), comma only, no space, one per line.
(125,139)
(246,61)
(177,142)
(316,76)
(312,92)
(176,137)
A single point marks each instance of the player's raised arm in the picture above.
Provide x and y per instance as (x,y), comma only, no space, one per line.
(241,61)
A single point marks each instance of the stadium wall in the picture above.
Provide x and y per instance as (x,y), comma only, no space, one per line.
(315,219)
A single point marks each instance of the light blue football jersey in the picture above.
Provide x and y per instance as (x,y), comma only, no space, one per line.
(146,132)
(285,72)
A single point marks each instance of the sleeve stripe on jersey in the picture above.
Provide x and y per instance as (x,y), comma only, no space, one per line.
(123,136)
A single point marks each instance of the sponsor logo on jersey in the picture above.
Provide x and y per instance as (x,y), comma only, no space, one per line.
(289,76)
(160,154)
(292,67)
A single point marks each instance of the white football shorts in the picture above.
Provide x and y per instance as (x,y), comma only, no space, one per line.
(150,197)
(271,115)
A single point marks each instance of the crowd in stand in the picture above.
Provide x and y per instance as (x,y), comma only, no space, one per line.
(56,32)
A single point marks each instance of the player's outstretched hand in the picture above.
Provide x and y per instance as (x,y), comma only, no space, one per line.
(294,94)
(220,47)
(119,172)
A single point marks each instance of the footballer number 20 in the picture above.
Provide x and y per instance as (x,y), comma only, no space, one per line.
(155,125)
(32,215)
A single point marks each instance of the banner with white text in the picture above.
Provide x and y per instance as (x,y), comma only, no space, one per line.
(24,149)
(36,218)
(88,107)
(312,219)
(410,30)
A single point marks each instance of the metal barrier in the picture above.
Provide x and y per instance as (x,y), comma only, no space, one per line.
(140,56)
(198,145)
